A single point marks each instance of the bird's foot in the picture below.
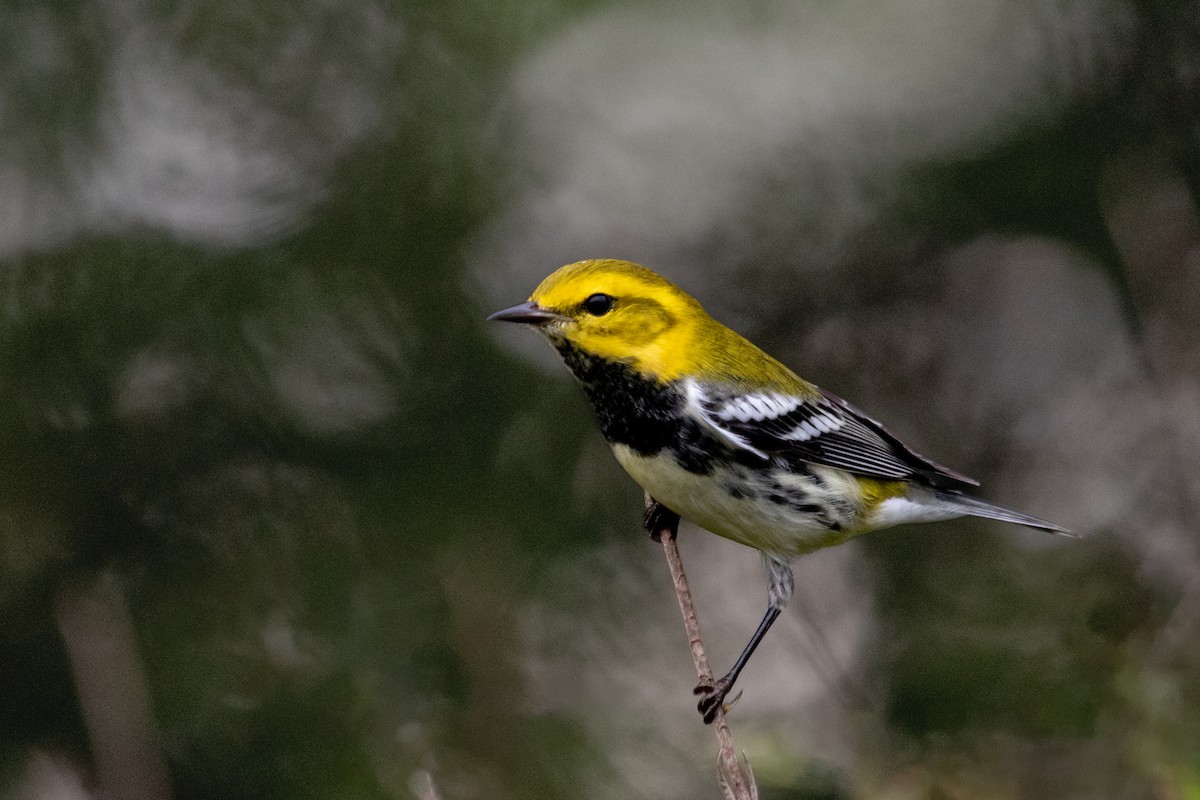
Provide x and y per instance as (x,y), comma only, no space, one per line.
(658,519)
(712,697)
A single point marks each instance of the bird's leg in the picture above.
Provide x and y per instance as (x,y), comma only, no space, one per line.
(712,695)
(659,518)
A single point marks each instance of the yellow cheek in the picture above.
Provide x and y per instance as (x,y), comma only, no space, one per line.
(665,356)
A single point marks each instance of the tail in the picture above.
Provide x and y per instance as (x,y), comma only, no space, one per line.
(974,507)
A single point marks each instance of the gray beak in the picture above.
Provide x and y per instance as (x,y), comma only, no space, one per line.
(529,314)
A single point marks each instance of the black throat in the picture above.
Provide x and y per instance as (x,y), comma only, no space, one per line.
(641,413)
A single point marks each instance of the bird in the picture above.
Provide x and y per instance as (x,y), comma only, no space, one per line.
(723,435)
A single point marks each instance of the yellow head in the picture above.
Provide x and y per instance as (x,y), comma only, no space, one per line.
(619,311)
(624,312)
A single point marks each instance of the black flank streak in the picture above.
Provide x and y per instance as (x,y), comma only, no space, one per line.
(798,500)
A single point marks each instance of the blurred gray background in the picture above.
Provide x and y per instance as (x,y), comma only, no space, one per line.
(281,517)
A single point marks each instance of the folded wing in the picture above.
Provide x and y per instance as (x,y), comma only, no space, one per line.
(819,429)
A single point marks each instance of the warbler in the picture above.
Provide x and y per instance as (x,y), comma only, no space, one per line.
(722,434)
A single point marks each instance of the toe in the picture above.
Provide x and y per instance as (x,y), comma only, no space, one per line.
(712,696)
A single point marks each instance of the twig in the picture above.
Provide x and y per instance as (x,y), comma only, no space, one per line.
(424,786)
(664,526)
(110,681)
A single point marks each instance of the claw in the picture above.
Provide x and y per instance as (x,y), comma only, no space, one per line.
(712,698)
(659,518)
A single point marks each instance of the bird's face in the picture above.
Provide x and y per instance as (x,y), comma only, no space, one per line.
(614,310)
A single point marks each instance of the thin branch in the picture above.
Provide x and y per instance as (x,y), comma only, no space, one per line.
(664,527)
(424,786)
(110,681)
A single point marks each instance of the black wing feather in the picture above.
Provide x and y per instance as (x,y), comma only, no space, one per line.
(821,430)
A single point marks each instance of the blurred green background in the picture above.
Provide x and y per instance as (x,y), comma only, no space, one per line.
(280,516)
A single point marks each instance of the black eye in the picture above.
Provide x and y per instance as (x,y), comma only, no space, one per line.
(598,305)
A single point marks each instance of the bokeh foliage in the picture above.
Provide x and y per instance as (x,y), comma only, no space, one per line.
(245,253)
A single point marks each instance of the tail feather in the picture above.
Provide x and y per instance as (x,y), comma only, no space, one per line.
(974,507)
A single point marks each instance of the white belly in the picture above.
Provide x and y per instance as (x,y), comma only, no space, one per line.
(808,519)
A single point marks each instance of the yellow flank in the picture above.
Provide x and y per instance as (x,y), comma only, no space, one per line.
(656,328)
(875,492)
